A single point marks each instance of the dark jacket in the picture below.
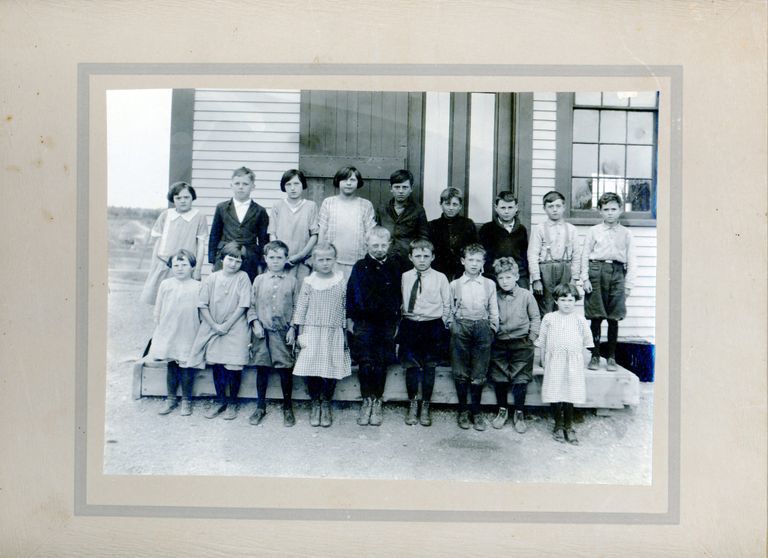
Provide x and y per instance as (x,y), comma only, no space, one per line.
(500,243)
(373,290)
(251,233)
(409,225)
(450,236)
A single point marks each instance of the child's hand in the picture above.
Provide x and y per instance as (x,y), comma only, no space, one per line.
(220,329)
(290,337)
(197,273)
(350,326)
(258,330)
(538,288)
(587,286)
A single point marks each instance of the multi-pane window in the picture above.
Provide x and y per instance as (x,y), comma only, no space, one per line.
(614,150)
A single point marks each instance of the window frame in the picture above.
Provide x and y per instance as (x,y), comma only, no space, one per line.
(563,168)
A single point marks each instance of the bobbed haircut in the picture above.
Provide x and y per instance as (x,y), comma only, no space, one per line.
(183,255)
(378,232)
(505,195)
(551,196)
(608,197)
(400,176)
(244,171)
(420,244)
(449,193)
(324,247)
(565,289)
(475,248)
(177,187)
(288,176)
(346,172)
(505,265)
(275,246)
(232,248)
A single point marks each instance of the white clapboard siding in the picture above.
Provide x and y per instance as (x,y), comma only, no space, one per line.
(544,150)
(236,128)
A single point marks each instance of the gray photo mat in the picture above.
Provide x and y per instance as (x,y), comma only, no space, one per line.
(86,70)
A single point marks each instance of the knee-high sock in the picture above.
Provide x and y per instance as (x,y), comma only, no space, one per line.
(328,387)
(412,382)
(613,336)
(314,386)
(477,392)
(235,377)
(220,382)
(461,393)
(518,394)
(262,381)
(172,379)
(594,326)
(501,389)
(286,384)
(428,383)
(187,381)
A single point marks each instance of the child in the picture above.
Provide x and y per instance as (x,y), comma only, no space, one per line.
(294,221)
(345,219)
(222,339)
(426,310)
(506,236)
(474,319)
(176,323)
(177,228)
(512,350)
(403,217)
(553,254)
(320,318)
(373,309)
(272,302)
(241,220)
(608,271)
(450,233)
(562,339)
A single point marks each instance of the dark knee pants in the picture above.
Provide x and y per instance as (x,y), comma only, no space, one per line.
(552,275)
(470,350)
(373,350)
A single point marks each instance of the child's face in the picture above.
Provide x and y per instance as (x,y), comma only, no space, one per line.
(421,258)
(348,186)
(294,188)
(507,280)
(378,247)
(181,268)
(182,201)
(473,263)
(401,191)
(231,264)
(610,212)
(566,304)
(555,209)
(323,261)
(451,208)
(241,187)
(506,210)
(275,260)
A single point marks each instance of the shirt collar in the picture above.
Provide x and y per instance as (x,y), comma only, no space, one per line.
(188,216)
(503,226)
(246,203)
(467,278)
(278,274)
(512,293)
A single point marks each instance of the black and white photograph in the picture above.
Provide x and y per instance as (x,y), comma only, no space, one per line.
(424,285)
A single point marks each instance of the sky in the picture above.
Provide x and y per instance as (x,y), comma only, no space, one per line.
(138,147)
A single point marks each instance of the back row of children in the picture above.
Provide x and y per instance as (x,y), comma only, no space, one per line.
(372,313)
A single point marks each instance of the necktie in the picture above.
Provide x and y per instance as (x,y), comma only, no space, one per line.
(414,292)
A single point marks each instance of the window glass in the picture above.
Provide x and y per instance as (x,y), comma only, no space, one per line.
(613,99)
(640,127)
(584,159)
(613,126)
(581,193)
(611,160)
(643,99)
(585,125)
(638,196)
(639,161)
(592,98)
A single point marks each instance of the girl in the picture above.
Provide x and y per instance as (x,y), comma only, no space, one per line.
(179,227)
(562,339)
(222,340)
(320,317)
(345,219)
(294,221)
(176,323)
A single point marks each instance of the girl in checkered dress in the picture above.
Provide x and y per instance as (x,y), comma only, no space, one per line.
(562,339)
(320,317)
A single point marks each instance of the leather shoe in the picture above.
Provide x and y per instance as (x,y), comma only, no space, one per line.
(463,420)
(256,417)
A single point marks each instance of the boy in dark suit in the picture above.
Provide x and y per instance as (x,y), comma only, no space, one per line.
(241,220)
(506,236)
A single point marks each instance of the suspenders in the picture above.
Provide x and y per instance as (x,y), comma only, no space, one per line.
(567,250)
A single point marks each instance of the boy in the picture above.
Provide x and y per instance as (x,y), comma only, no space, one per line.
(474,319)
(241,220)
(608,272)
(272,302)
(512,350)
(426,309)
(450,233)
(373,309)
(553,255)
(506,236)
(402,217)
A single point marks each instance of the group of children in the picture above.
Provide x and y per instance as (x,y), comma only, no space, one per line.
(303,292)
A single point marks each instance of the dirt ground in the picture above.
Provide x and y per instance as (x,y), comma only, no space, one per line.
(614,449)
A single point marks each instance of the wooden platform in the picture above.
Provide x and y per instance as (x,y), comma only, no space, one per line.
(605,390)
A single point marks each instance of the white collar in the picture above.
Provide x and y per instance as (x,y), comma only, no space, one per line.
(242,204)
(188,216)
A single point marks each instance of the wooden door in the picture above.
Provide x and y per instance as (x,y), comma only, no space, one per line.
(376,132)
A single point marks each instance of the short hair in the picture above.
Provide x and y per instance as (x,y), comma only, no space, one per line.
(449,193)
(324,247)
(551,196)
(505,195)
(232,248)
(608,197)
(177,187)
(565,289)
(473,249)
(183,255)
(274,246)
(421,244)
(504,265)
(379,232)
(346,172)
(401,176)
(288,176)
(244,171)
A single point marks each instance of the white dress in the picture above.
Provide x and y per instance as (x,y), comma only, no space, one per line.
(563,338)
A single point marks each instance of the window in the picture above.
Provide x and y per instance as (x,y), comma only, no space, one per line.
(607,143)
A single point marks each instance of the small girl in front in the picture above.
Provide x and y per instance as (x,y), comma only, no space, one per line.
(177,321)
(320,317)
(223,337)
(562,338)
